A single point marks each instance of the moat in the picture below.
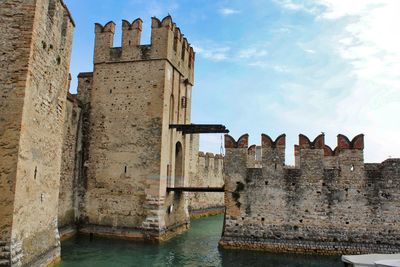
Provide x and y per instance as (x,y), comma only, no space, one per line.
(196,247)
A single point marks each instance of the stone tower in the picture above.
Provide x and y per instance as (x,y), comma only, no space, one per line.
(35,49)
(133,96)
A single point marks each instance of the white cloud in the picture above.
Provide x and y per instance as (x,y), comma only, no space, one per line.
(310,51)
(252,53)
(369,45)
(289,4)
(228,11)
(161,8)
(306,48)
(212,51)
(281,68)
(284,29)
(267,65)
(220,52)
(335,9)
(299,5)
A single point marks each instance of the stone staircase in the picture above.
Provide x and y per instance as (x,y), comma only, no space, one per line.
(5,254)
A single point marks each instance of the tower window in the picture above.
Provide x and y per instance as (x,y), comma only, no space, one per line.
(183,50)
(175,42)
(183,102)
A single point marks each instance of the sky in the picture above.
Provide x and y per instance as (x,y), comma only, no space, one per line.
(277,66)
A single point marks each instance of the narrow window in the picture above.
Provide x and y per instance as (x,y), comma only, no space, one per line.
(175,42)
(126,168)
(190,60)
(184,102)
(168,176)
(171,110)
(183,51)
(51,9)
(35,173)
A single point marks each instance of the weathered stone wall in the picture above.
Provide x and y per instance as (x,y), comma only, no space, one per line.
(85,85)
(206,170)
(35,49)
(15,51)
(125,142)
(330,202)
(70,165)
(136,92)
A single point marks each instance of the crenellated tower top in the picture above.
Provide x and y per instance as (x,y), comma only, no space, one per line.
(167,43)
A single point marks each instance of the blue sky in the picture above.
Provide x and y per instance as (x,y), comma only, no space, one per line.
(277,66)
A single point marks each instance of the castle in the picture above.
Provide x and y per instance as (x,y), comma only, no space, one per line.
(98,162)
(114,159)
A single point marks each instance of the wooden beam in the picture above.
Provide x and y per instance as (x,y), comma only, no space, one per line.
(199,128)
(195,189)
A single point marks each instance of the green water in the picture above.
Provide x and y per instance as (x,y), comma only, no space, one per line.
(196,247)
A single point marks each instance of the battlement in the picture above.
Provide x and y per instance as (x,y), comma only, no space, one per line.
(211,162)
(167,43)
(308,154)
(242,142)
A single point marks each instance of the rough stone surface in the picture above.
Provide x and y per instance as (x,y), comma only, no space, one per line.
(35,49)
(330,202)
(71,163)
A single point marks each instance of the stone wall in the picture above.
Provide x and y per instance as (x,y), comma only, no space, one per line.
(70,165)
(330,202)
(206,171)
(15,52)
(36,58)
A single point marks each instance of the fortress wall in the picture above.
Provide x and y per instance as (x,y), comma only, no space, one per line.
(125,141)
(38,176)
(351,207)
(70,165)
(42,47)
(85,85)
(206,171)
(16,18)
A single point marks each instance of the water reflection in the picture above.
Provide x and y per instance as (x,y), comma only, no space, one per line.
(197,247)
